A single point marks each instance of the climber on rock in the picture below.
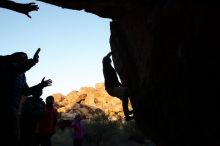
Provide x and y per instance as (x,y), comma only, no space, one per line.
(114,87)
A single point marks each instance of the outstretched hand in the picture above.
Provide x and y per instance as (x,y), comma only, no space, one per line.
(46,83)
(27,8)
(36,55)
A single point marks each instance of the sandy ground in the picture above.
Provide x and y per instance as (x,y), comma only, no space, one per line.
(64,138)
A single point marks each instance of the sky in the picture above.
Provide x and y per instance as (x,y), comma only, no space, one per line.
(72,44)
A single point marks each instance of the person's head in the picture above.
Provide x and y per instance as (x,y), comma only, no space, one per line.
(78,117)
(50,100)
(19,57)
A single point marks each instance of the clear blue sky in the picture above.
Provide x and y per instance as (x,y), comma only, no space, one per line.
(72,45)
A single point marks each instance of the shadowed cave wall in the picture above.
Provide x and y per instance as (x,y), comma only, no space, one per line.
(166,52)
(168,58)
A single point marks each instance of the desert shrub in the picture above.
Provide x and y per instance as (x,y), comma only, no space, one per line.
(103,132)
(100,129)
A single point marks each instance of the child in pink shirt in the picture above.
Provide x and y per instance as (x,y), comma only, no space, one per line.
(79,131)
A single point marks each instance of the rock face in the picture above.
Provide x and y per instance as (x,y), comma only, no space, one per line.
(89,102)
(165,51)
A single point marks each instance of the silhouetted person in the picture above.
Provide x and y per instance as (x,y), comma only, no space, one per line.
(114,87)
(33,110)
(47,126)
(18,7)
(78,131)
(13,86)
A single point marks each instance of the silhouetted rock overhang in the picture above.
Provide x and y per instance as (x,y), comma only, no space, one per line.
(166,52)
(114,9)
